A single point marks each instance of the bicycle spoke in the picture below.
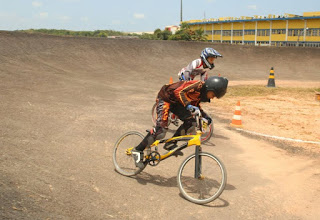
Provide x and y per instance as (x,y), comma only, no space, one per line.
(124,162)
(208,186)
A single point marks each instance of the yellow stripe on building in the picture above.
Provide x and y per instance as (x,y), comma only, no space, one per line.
(271,30)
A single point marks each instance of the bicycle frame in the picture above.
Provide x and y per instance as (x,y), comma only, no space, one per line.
(191,141)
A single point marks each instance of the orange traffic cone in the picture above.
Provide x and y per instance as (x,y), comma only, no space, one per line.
(171,81)
(236,120)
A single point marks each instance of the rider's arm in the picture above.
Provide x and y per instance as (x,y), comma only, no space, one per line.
(191,86)
(204,76)
(187,72)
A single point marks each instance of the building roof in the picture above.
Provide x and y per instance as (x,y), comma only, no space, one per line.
(311,15)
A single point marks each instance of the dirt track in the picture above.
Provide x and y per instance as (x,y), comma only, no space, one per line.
(64,102)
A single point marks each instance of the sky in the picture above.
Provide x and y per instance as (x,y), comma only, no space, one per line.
(134,15)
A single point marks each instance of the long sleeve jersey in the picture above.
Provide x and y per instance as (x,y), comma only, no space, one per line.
(192,70)
(184,93)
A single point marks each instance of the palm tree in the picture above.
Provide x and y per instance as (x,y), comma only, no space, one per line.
(199,35)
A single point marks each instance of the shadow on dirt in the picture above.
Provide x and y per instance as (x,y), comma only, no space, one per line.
(215,136)
(215,203)
(146,178)
(220,137)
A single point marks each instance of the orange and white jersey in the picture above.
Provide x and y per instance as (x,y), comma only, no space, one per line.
(192,70)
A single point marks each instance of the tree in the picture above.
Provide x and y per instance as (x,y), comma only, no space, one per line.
(166,34)
(199,35)
(157,33)
(102,34)
(184,26)
(182,34)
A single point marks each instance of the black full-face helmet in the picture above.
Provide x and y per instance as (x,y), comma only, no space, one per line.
(216,84)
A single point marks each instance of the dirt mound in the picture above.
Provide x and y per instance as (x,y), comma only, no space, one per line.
(150,60)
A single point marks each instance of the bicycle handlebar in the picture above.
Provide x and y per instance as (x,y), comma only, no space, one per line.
(198,116)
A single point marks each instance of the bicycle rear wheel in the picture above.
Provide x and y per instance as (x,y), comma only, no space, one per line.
(122,158)
(209,185)
(154,114)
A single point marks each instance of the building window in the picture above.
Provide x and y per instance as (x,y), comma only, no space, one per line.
(217,32)
(237,33)
(263,32)
(249,32)
(226,33)
(295,32)
(313,32)
(309,32)
(278,31)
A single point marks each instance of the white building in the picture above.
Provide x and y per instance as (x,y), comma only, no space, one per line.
(172,28)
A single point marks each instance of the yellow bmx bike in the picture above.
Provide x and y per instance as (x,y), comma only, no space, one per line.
(201,177)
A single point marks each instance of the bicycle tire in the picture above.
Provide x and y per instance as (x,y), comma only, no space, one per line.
(120,166)
(221,186)
(154,114)
(206,137)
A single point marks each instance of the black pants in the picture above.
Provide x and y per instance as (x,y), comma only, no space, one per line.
(161,128)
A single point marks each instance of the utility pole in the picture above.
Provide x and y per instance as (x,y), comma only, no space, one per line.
(181,12)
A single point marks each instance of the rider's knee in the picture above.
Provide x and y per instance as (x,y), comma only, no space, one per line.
(190,125)
(160,133)
(192,129)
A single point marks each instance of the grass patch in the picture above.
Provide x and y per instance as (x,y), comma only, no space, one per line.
(254,90)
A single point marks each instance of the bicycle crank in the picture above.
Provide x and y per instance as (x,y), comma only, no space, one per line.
(154,158)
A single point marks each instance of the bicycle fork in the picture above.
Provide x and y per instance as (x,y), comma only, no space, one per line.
(198,163)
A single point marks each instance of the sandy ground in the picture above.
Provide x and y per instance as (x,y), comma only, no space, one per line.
(288,114)
(65,101)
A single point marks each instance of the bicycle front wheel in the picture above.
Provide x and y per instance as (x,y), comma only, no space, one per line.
(209,185)
(208,134)
(122,158)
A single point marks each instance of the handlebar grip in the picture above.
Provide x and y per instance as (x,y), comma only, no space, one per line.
(196,112)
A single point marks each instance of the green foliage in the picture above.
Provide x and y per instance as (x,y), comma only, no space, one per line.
(147,36)
(165,35)
(185,33)
(157,33)
(184,26)
(199,35)
(97,33)
(161,35)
